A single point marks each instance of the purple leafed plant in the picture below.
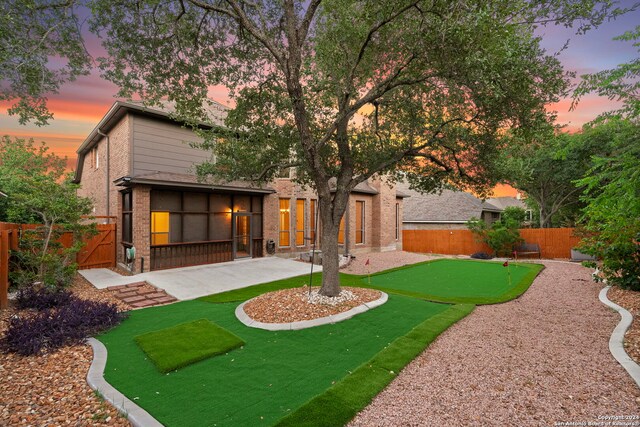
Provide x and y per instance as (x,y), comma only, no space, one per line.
(42,298)
(53,328)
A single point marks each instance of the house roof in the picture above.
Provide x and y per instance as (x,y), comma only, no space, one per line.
(178,180)
(215,111)
(448,206)
(505,202)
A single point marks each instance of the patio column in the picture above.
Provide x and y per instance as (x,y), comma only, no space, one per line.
(142,227)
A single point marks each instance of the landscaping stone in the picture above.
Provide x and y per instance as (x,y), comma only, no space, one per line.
(141,295)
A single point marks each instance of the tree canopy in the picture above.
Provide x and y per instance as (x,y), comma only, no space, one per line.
(343,90)
(41,48)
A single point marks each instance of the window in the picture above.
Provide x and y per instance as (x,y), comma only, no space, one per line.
(127,217)
(159,228)
(284,223)
(312,220)
(359,222)
(397,221)
(300,222)
(341,232)
(95,159)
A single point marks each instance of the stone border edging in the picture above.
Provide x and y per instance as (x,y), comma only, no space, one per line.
(304,324)
(616,342)
(137,416)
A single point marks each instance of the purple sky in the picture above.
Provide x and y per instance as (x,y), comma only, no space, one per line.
(81,104)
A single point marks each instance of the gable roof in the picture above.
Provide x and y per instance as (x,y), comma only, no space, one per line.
(215,111)
(506,201)
(448,206)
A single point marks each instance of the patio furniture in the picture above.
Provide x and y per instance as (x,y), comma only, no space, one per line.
(527,249)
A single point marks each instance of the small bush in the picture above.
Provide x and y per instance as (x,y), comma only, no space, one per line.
(481,255)
(42,298)
(53,328)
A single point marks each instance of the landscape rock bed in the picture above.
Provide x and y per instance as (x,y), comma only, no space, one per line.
(294,305)
(51,389)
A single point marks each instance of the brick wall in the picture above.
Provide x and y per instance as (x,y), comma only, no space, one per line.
(379,218)
(285,188)
(142,226)
(93,182)
(384,214)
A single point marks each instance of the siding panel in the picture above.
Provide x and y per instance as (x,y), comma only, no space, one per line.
(164,147)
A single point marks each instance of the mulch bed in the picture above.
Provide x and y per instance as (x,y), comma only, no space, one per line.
(141,294)
(292,305)
(51,389)
(631,301)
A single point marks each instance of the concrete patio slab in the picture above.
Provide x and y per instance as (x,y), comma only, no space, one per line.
(194,282)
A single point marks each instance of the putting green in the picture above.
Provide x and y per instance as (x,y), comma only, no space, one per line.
(458,281)
(274,373)
(176,347)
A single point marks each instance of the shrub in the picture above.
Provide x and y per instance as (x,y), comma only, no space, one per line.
(53,328)
(42,298)
(481,255)
(501,237)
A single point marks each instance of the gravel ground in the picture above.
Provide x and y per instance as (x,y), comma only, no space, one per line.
(534,361)
(291,305)
(51,390)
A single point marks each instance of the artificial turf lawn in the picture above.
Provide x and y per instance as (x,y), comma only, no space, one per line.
(458,281)
(187,343)
(274,373)
(445,280)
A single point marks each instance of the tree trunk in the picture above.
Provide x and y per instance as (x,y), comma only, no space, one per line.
(544,219)
(330,260)
(331,212)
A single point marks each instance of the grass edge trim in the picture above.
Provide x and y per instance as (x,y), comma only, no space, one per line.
(348,396)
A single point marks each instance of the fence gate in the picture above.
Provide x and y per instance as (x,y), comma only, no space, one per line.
(99,251)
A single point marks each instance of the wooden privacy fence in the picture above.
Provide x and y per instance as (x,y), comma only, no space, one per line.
(8,242)
(553,242)
(98,251)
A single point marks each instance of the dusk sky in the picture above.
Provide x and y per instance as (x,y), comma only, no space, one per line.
(81,104)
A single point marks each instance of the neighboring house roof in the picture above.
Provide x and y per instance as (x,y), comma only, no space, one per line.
(363,187)
(447,207)
(505,202)
(216,113)
(168,179)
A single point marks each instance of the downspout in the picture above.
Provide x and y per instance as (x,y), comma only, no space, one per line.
(108,201)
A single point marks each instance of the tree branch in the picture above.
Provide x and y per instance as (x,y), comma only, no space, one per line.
(303,30)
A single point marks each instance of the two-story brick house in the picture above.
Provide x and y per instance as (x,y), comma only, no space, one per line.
(137,166)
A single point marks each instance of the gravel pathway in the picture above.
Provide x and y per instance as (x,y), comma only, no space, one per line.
(539,360)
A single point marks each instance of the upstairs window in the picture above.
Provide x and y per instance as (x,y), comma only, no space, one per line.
(95,158)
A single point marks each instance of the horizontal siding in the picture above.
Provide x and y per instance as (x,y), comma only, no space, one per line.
(164,147)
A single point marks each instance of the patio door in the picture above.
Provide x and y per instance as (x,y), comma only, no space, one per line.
(242,246)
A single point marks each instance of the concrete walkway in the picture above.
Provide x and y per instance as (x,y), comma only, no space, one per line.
(194,282)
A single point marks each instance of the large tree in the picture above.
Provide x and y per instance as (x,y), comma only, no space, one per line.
(612,186)
(41,48)
(344,90)
(546,166)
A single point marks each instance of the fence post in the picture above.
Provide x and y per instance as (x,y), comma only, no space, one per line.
(4,268)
